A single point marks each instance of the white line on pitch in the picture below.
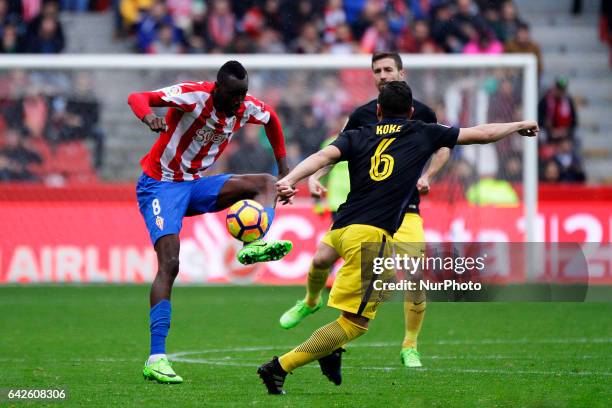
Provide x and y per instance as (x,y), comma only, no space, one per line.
(454,370)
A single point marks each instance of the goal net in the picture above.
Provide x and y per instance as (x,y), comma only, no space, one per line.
(71,115)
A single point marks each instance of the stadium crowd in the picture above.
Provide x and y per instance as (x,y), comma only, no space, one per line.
(62,117)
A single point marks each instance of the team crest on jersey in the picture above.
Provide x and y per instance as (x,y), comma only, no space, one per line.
(206,135)
(172,91)
(159,221)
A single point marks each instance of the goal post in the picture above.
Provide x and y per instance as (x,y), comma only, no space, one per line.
(464,86)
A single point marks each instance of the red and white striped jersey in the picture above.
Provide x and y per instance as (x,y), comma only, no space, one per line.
(197,134)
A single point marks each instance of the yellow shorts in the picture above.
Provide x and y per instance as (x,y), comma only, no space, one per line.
(410,237)
(348,291)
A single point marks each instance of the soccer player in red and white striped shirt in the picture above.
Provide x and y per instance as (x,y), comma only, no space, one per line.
(200,122)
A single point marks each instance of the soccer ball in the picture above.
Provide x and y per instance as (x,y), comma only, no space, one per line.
(247,220)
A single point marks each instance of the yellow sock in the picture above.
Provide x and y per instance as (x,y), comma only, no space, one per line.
(414,313)
(316,281)
(321,343)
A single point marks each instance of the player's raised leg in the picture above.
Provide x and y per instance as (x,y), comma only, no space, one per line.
(323,260)
(261,188)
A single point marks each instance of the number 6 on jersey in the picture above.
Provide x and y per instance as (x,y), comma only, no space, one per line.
(376,173)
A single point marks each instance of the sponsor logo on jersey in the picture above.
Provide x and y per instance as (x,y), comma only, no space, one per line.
(159,221)
(206,135)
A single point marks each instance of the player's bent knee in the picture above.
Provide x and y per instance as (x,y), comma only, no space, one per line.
(321,261)
(253,184)
(356,319)
(266,182)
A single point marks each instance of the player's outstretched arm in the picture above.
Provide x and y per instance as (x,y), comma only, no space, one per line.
(438,160)
(328,155)
(492,132)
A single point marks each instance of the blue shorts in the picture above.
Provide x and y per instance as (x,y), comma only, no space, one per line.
(163,204)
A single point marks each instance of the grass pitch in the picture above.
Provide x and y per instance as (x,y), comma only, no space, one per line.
(93,341)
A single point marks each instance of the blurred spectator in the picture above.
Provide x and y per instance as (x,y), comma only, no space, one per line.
(294,154)
(570,164)
(334,16)
(523,44)
(310,132)
(492,20)
(491,191)
(512,169)
(253,22)
(503,103)
(272,15)
(250,156)
(130,11)
(48,40)
(398,15)
(483,43)
(196,34)
(551,172)
(31,9)
(509,21)
(445,31)
(221,24)
(166,41)
(45,33)
(150,24)
(11,11)
(503,107)
(309,41)
(378,37)
(330,100)
(242,44)
(557,113)
(181,12)
(296,15)
(77,116)
(371,9)
(270,42)
(34,113)
(421,9)
(467,16)
(343,42)
(10,41)
(419,40)
(16,158)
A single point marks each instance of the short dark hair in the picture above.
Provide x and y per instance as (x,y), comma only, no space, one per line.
(395,99)
(523,26)
(393,55)
(231,68)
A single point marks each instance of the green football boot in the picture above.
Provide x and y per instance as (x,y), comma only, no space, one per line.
(263,251)
(162,372)
(297,313)
(411,357)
